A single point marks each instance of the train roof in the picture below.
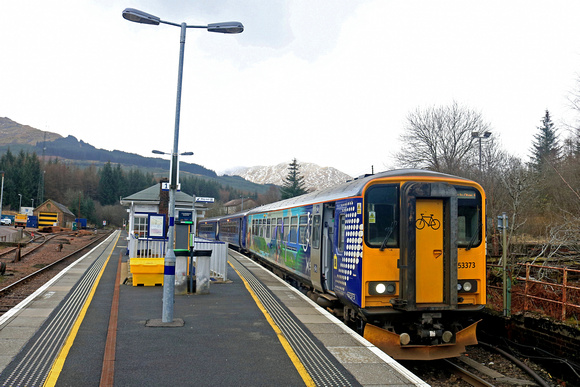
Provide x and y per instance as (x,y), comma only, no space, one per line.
(348,189)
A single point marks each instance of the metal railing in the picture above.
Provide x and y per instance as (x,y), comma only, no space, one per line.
(156,248)
(219,257)
(146,247)
(551,291)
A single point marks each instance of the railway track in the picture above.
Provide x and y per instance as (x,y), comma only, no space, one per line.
(38,263)
(481,366)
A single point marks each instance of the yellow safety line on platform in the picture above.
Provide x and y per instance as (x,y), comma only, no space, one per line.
(291,354)
(61,358)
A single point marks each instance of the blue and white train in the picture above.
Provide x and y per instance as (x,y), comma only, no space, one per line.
(399,255)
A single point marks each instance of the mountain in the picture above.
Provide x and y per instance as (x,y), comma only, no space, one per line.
(315,176)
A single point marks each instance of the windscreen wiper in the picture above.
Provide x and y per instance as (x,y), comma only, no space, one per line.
(389,231)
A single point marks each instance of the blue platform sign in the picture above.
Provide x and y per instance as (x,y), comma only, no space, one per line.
(204,200)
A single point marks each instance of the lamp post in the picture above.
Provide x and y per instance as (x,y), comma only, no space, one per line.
(137,16)
(480,137)
(20,205)
(2,194)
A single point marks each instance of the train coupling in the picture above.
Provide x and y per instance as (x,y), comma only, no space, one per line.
(400,347)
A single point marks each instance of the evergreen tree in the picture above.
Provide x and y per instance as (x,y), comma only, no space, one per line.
(107,185)
(294,182)
(545,148)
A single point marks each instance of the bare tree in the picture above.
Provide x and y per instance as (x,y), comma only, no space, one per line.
(441,138)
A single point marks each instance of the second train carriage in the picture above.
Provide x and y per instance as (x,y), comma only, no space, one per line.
(401,252)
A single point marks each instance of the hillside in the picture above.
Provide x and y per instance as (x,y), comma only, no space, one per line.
(16,137)
(14,133)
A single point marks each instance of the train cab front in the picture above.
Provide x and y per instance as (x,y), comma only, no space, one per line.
(424,267)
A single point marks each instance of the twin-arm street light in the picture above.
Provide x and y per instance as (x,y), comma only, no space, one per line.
(479,136)
(137,16)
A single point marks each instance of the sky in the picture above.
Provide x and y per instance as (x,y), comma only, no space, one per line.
(329,82)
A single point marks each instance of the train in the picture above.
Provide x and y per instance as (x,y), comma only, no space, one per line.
(399,256)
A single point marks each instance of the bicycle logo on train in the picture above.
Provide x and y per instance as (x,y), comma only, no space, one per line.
(428,221)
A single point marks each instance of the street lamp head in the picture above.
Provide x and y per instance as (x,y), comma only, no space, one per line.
(186,154)
(158,152)
(137,16)
(226,27)
(486,134)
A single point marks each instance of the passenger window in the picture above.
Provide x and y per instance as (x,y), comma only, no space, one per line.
(316,232)
(286,227)
(303,230)
(293,238)
(341,232)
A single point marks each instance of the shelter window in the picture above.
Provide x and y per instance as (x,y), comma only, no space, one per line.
(140,225)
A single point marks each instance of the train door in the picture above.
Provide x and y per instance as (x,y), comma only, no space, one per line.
(429,249)
(327,246)
(428,254)
(315,247)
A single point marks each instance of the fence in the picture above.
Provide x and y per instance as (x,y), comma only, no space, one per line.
(155,248)
(552,291)
(219,257)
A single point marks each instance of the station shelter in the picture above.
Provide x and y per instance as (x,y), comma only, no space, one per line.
(148,225)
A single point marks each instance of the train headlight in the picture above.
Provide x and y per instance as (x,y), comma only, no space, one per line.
(467,286)
(380,288)
(377,288)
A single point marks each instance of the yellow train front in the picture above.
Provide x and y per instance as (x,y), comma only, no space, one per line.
(400,254)
(423,264)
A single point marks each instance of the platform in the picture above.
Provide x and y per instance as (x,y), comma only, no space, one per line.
(84,328)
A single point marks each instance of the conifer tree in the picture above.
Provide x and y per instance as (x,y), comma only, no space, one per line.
(545,148)
(294,182)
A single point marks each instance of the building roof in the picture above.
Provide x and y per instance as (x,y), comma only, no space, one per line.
(151,196)
(64,209)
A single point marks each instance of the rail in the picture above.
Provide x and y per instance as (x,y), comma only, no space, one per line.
(552,291)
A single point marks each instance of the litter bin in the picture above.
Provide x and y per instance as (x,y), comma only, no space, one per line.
(201,271)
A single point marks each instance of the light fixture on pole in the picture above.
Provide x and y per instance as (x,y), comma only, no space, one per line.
(20,205)
(480,137)
(174,172)
(137,16)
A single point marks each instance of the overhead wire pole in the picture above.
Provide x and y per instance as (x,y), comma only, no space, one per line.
(137,16)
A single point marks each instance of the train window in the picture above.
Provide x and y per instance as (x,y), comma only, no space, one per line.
(468,217)
(341,232)
(316,232)
(382,216)
(303,230)
(268,228)
(286,228)
(279,229)
(293,237)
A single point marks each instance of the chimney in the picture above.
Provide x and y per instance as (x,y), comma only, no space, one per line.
(163,198)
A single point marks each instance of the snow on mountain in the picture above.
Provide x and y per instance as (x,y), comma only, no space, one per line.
(315,176)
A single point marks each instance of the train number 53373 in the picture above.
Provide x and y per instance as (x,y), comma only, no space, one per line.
(465,265)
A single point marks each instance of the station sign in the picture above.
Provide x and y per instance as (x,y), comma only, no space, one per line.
(204,200)
(165,186)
